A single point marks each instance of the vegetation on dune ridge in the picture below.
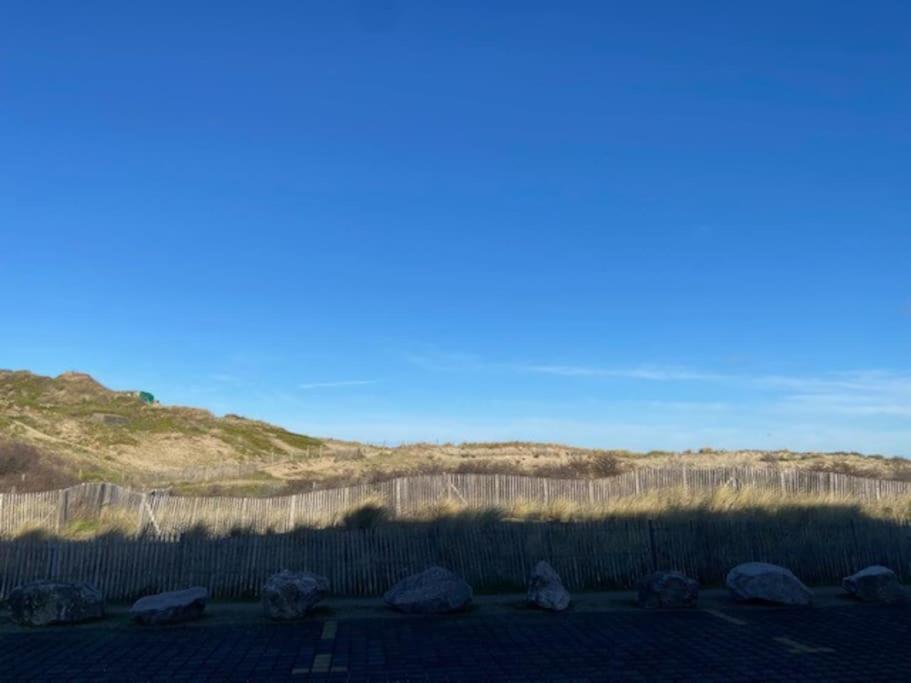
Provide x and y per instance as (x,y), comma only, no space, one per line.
(55,431)
(74,428)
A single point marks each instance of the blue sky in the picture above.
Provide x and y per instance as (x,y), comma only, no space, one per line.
(626,225)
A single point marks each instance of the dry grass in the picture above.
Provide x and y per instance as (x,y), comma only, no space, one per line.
(111,522)
(668,504)
(24,468)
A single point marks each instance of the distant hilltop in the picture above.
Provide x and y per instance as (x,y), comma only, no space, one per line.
(55,431)
(76,427)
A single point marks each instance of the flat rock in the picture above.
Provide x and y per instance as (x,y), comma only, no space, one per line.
(667,590)
(291,595)
(172,607)
(41,603)
(433,591)
(767,582)
(545,589)
(874,584)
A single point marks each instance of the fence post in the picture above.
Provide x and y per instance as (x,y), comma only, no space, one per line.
(856,547)
(62,501)
(653,549)
(142,508)
(53,548)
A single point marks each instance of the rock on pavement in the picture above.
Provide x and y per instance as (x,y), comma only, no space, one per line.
(171,607)
(668,589)
(291,595)
(545,589)
(874,584)
(433,591)
(41,603)
(767,582)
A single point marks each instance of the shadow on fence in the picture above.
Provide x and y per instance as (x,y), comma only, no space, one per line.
(819,545)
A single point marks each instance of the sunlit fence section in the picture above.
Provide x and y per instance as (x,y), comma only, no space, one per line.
(157,513)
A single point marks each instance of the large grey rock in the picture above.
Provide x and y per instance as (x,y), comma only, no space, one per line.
(545,589)
(290,595)
(874,584)
(668,589)
(433,591)
(767,582)
(171,607)
(40,603)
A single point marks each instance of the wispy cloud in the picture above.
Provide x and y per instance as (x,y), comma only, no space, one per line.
(843,404)
(653,374)
(343,383)
(467,362)
(859,394)
(855,392)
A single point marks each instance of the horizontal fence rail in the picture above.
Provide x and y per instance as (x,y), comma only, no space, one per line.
(160,513)
(605,554)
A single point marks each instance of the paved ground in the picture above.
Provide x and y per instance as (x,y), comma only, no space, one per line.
(601,640)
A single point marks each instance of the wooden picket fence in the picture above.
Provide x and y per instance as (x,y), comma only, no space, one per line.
(606,554)
(163,514)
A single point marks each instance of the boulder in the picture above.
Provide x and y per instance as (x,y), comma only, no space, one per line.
(40,603)
(290,595)
(545,589)
(874,584)
(433,591)
(668,589)
(767,582)
(171,607)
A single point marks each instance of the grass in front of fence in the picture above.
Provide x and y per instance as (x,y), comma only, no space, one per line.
(674,505)
(667,504)
(111,522)
(678,503)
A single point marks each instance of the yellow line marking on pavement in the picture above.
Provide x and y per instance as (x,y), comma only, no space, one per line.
(796,648)
(329,629)
(727,618)
(321,663)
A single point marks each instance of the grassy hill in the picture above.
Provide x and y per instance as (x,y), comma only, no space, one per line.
(70,427)
(55,431)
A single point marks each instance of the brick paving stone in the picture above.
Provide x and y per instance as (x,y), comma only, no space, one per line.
(868,643)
